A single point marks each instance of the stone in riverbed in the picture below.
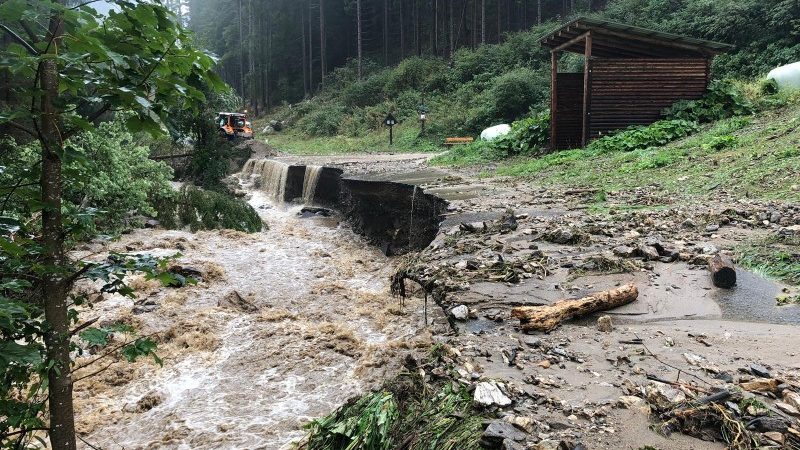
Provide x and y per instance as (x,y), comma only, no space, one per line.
(623,251)
(460,312)
(604,324)
(499,431)
(648,253)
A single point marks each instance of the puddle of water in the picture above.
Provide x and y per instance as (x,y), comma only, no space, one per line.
(752,299)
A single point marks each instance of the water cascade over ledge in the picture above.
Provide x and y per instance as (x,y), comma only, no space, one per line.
(397,217)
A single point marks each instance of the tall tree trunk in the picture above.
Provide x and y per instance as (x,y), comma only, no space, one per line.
(417,36)
(241,53)
(499,21)
(322,41)
(402,31)
(310,49)
(435,42)
(54,287)
(483,21)
(251,58)
(305,51)
(450,26)
(386,32)
(538,12)
(268,71)
(358,28)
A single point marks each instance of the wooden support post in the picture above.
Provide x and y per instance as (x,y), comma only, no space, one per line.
(587,89)
(553,97)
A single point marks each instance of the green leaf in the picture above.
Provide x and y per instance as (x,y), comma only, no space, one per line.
(95,336)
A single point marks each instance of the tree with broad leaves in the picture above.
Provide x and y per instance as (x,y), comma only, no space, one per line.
(73,65)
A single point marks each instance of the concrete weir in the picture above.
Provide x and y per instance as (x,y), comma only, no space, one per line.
(396,217)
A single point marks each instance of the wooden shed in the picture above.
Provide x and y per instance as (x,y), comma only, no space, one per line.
(630,76)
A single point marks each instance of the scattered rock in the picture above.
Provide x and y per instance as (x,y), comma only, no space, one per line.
(759,371)
(487,393)
(792,398)
(499,431)
(152,223)
(624,251)
(693,359)
(787,408)
(604,324)
(712,227)
(775,436)
(688,224)
(761,385)
(648,253)
(663,396)
(460,312)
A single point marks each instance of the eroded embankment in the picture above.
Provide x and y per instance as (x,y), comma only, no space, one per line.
(284,326)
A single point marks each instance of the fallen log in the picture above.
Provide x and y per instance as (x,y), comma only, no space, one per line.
(723,273)
(547,318)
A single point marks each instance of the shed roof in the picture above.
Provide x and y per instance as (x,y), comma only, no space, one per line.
(616,40)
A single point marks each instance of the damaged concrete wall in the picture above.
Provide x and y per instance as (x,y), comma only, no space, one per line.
(396,217)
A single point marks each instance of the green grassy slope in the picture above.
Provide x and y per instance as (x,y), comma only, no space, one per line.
(756,156)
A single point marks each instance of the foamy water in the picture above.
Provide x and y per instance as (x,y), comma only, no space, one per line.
(325,329)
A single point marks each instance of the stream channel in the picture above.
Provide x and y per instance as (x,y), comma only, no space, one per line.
(286,325)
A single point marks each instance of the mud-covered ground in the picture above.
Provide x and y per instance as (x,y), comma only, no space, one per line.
(289,323)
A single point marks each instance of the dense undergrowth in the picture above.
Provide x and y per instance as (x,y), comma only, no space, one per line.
(200,209)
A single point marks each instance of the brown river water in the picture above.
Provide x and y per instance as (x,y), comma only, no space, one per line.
(313,324)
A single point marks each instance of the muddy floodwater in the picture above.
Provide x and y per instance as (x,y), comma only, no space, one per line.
(286,325)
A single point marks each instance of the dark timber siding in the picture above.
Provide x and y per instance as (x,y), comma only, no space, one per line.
(569,110)
(627,92)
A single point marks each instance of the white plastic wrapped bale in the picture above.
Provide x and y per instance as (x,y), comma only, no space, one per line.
(495,132)
(787,76)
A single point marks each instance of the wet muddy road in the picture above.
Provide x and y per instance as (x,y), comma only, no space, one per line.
(286,325)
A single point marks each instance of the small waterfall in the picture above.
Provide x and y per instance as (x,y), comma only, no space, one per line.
(310,183)
(271,175)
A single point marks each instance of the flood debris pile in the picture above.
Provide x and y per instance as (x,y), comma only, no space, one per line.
(418,409)
(757,411)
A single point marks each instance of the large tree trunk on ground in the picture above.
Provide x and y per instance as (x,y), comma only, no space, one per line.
(547,318)
(723,273)
(54,287)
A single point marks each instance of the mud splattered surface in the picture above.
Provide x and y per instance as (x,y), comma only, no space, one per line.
(286,325)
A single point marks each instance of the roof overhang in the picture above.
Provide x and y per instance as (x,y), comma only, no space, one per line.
(616,40)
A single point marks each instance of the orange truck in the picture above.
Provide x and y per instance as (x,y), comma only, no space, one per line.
(234,126)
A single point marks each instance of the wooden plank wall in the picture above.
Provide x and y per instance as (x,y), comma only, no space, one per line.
(627,92)
(569,111)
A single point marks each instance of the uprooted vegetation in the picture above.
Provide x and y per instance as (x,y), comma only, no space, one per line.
(410,412)
(200,209)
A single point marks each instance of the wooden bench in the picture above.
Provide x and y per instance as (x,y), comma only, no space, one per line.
(458,141)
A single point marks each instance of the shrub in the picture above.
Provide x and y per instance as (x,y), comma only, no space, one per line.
(637,138)
(117,178)
(416,74)
(513,93)
(367,92)
(526,137)
(723,99)
(717,143)
(324,121)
